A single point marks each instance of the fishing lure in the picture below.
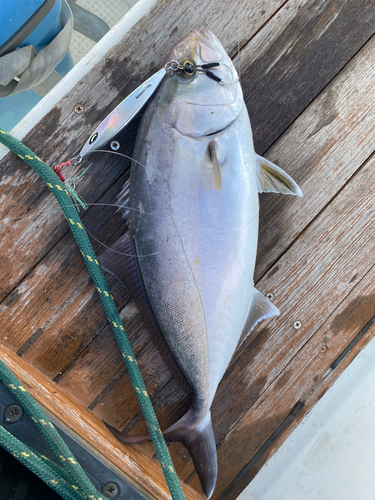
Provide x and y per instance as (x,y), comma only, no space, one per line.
(128,109)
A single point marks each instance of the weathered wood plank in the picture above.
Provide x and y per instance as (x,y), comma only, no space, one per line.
(295,56)
(139,469)
(321,150)
(65,337)
(35,223)
(45,300)
(351,317)
(59,289)
(98,366)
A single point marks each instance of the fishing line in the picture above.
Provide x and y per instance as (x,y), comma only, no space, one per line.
(116,153)
(126,207)
(70,182)
(231,71)
(118,206)
(115,251)
(57,187)
(152,215)
(239,59)
(6,220)
(241,4)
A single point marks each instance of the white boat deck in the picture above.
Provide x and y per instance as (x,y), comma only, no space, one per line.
(331,454)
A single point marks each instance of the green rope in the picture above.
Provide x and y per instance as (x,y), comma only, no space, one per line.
(51,473)
(76,474)
(59,191)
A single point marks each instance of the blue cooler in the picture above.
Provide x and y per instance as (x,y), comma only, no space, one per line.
(23,23)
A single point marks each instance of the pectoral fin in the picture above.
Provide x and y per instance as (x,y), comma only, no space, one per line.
(216,174)
(272,178)
(261,308)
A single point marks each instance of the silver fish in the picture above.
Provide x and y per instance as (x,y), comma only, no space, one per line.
(194,225)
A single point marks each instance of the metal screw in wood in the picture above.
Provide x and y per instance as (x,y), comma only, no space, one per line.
(323,349)
(297,325)
(13,413)
(269,296)
(115,145)
(78,108)
(110,490)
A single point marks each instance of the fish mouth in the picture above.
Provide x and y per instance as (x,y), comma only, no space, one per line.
(195,120)
(216,132)
(211,104)
(222,129)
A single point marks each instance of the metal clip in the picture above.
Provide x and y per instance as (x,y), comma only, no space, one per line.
(172,67)
(76,161)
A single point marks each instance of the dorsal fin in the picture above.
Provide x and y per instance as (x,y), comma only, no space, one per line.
(216,174)
(119,260)
(123,200)
(272,179)
(261,308)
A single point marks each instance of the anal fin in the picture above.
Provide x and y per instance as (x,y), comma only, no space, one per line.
(272,179)
(261,308)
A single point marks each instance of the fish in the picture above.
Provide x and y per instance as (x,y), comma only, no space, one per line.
(193,231)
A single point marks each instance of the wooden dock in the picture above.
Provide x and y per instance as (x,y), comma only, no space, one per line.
(308,76)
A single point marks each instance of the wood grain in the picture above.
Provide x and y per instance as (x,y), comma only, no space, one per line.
(308,376)
(295,56)
(348,316)
(58,290)
(321,150)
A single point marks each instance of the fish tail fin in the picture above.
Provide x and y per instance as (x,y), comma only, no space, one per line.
(126,438)
(197,436)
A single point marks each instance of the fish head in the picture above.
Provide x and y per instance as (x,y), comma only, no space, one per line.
(199,104)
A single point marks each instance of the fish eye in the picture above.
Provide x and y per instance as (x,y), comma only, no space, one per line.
(188,69)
